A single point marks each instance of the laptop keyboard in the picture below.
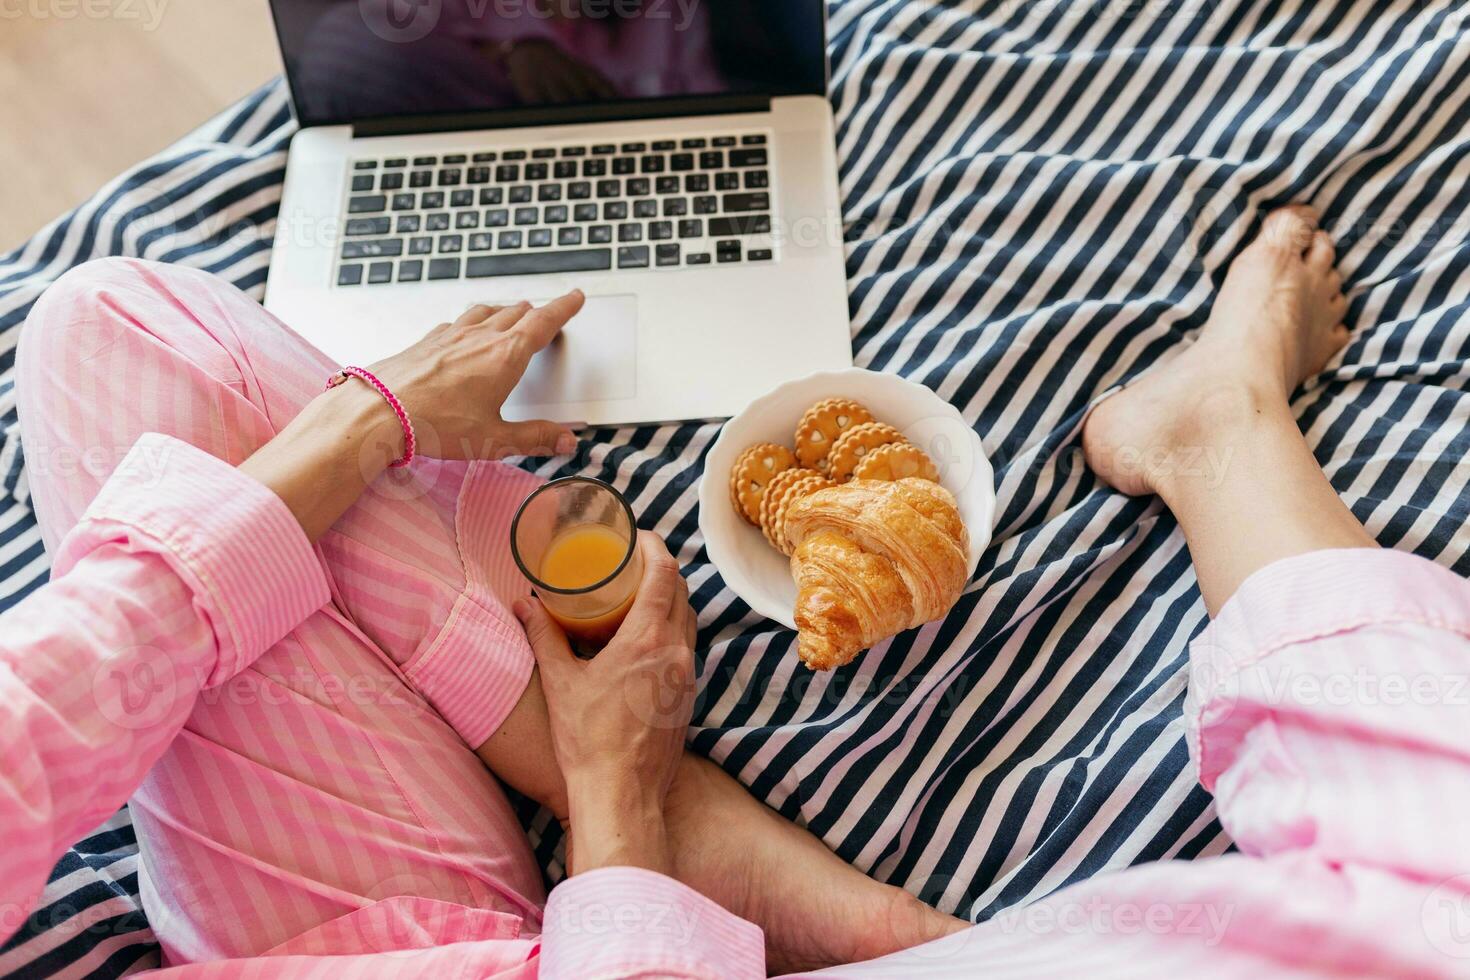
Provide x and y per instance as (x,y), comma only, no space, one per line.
(658,205)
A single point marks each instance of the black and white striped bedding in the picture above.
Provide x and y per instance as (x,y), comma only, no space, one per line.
(1041,197)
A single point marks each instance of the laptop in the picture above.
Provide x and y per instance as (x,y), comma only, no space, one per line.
(674,159)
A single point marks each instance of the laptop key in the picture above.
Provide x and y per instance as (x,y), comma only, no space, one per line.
(425,161)
(391,182)
(420,246)
(513,155)
(486,156)
(574,151)
(623,166)
(549,192)
(632,232)
(380,272)
(437,222)
(696,183)
(462,199)
(600,234)
(759,255)
(395,163)
(723,141)
(633,257)
(634,147)
(693,144)
(609,188)
(367,204)
(651,165)
(539,238)
(365,165)
(757,179)
(712,160)
(491,195)
(451,243)
(508,239)
(667,254)
(740,203)
(537,171)
(410,270)
(521,194)
(697,258)
(407,224)
(647,208)
(585,212)
(756,139)
(555,214)
(497,218)
(444,268)
(752,224)
(543,153)
(665,145)
(349,275)
(372,248)
(450,178)
(467,219)
(455,158)
(615,210)
(676,207)
(691,228)
(727,181)
(604,149)
(564,169)
(528,216)
(482,241)
(666,185)
(536,263)
(569,236)
(368,226)
(681,162)
(594,168)
(707,204)
(728,251)
(507,173)
(363,182)
(431,199)
(748,158)
(661,231)
(420,178)
(579,190)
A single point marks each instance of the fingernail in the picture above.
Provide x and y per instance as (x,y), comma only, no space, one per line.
(566,444)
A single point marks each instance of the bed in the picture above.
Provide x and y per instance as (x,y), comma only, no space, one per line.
(1040,200)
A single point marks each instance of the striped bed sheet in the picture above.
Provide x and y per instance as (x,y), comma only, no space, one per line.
(1040,200)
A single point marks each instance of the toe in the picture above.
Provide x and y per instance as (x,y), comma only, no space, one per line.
(1321,255)
(1291,228)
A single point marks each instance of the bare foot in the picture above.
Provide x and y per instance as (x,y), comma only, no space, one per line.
(816,909)
(1276,322)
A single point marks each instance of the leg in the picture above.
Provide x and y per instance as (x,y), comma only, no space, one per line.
(1212,432)
(320,780)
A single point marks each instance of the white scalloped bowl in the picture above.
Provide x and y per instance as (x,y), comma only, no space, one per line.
(760,574)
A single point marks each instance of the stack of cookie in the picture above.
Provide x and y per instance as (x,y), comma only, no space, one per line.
(837,440)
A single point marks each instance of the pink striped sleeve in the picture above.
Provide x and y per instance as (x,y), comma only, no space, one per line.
(628,922)
(181,573)
(1329,711)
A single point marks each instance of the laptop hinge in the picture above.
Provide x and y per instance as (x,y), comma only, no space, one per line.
(568,115)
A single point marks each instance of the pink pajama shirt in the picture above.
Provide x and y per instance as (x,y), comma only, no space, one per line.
(294,724)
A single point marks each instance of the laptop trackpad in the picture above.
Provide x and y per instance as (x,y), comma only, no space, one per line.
(594,360)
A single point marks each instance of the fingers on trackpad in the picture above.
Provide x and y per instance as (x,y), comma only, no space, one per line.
(595,359)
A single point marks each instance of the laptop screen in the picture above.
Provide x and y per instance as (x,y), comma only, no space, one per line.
(353,60)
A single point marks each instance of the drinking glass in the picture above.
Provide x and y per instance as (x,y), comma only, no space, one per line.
(576,541)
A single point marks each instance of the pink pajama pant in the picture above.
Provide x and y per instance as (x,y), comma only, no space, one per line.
(339,769)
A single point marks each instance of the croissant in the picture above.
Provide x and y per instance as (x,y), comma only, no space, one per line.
(872,558)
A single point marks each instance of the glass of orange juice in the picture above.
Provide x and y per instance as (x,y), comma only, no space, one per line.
(576,541)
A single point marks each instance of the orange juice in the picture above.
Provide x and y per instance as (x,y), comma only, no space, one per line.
(579,558)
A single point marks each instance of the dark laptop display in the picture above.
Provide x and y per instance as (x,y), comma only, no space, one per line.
(514,62)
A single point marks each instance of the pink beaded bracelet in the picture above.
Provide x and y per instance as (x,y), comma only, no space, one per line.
(409,441)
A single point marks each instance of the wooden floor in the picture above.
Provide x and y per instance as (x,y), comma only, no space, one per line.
(91,95)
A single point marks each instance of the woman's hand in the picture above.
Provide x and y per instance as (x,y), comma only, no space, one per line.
(452,384)
(618,720)
(455,380)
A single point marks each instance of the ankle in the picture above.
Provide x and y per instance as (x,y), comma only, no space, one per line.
(1209,429)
